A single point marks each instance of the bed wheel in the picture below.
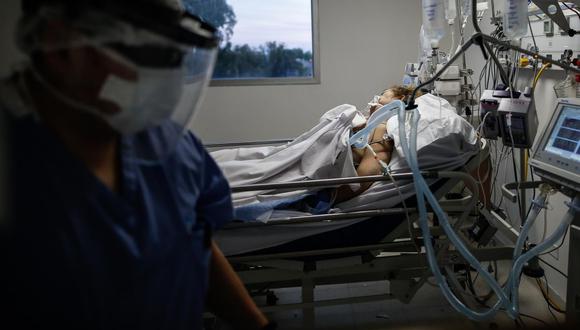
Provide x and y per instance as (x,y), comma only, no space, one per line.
(271,298)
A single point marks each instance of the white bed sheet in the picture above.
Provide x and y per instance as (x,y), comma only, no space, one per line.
(323,152)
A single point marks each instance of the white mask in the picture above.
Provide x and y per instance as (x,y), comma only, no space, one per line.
(143,103)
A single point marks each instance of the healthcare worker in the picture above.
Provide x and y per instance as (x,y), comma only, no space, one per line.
(113,203)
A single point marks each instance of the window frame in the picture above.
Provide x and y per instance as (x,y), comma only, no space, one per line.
(314,80)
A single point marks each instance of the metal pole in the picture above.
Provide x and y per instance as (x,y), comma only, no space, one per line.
(247,143)
(320,218)
(523,178)
(325,183)
(573,281)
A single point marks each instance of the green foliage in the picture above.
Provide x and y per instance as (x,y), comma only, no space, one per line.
(242,61)
(268,61)
(216,12)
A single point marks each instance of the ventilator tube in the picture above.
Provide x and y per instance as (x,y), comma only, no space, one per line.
(508,298)
(361,138)
(556,236)
(423,191)
(434,21)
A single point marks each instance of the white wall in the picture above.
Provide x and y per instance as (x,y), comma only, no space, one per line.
(364,45)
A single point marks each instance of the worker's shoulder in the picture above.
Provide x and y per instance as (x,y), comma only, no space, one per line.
(192,143)
(191,152)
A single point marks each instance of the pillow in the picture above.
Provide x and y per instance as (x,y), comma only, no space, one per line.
(438,121)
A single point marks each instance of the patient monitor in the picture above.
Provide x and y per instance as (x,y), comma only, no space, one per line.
(557,156)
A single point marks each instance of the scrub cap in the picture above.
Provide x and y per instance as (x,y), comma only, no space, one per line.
(127,22)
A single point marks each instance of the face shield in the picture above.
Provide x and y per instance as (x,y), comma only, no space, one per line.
(163,62)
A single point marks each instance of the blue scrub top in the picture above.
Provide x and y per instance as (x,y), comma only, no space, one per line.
(81,256)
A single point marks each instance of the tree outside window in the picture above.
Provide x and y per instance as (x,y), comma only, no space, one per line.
(246,53)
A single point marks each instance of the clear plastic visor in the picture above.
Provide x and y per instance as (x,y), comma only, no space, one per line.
(164,135)
(156,84)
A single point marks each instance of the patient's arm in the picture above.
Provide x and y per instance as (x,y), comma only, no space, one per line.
(368,164)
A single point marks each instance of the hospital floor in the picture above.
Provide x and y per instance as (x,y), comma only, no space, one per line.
(427,310)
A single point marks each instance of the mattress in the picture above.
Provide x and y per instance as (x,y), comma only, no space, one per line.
(240,240)
(447,143)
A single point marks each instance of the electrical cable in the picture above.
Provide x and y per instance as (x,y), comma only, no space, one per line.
(571,9)
(532,33)
(544,66)
(481,299)
(535,319)
(559,245)
(409,222)
(522,219)
(552,305)
(533,180)
(553,267)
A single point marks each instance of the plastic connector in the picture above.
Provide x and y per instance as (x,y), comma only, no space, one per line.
(532,268)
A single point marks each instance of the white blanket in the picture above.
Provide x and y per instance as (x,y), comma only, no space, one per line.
(445,142)
(320,153)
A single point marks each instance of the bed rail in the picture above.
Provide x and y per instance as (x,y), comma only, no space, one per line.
(466,178)
(326,183)
(321,217)
(247,143)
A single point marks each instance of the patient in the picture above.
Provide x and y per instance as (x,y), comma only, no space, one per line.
(365,162)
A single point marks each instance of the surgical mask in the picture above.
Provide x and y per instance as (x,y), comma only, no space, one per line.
(143,103)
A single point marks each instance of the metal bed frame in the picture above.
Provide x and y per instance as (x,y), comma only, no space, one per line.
(395,259)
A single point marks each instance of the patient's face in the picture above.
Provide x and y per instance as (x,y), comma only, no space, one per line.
(387,97)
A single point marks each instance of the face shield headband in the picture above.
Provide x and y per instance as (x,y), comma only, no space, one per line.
(156,16)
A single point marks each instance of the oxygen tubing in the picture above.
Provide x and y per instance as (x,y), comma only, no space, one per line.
(424,192)
(552,239)
(360,139)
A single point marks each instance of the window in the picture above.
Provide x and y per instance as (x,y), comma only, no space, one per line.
(263,42)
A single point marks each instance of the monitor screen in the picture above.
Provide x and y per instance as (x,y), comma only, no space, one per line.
(564,139)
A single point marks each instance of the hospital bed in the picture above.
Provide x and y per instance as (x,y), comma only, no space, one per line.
(355,246)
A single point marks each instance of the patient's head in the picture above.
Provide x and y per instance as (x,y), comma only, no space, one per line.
(395,92)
